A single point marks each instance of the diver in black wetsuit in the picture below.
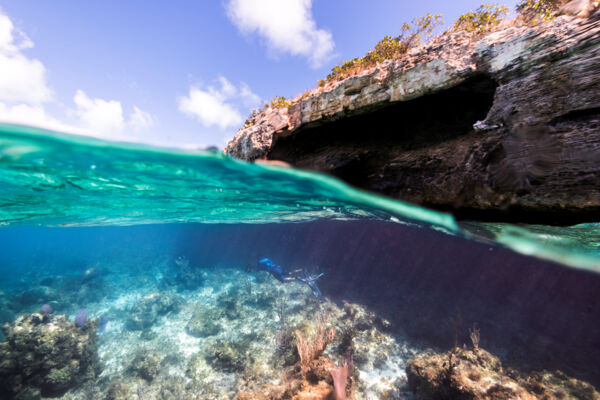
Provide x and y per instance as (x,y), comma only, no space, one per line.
(284,275)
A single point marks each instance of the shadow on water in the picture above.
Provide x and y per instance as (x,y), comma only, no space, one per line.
(430,286)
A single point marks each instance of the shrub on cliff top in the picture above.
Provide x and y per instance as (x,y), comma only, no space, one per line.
(482,20)
(280,102)
(276,102)
(389,47)
(536,11)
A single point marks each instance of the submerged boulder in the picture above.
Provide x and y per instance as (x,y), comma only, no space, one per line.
(229,356)
(147,310)
(187,277)
(204,322)
(117,390)
(476,374)
(45,355)
(145,364)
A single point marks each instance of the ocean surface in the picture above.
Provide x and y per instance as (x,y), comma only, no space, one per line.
(158,254)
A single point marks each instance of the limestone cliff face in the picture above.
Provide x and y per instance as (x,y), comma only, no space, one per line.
(503,127)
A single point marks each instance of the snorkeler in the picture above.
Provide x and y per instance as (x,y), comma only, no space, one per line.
(283,275)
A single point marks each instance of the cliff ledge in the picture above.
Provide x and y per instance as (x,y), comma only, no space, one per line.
(504,127)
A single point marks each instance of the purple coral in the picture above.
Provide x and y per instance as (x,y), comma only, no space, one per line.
(81,318)
(46,309)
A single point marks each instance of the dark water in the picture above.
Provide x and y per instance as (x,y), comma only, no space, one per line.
(161,248)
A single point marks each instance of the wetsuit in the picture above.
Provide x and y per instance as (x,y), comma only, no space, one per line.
(280,273)
(283,275)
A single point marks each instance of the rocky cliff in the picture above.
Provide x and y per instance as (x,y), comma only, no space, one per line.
(503,127)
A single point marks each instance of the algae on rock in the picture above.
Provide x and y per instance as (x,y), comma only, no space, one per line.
(146,311)
(46,355)
(477,375)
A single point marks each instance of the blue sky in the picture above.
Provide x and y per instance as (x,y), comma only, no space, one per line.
(182,73)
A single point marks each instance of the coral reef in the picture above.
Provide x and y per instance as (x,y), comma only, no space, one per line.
(187,277)
(45,355)
(254,350)
(310,350)
(81,318)
(246,336)
(117,390)
(228,356)
(476,374)
(204,322)
(54,293)
(315,375)
(46,309)
(145,364)
(7,310)
(146,311)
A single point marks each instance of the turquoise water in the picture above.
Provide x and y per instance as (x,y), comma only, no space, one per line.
(52,179)
(133,272)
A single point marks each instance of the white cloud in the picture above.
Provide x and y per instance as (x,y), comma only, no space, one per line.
(210,108)
(8,44)
(104,118)
(91,117)
(99,116)
(34,115)
(227,88)
(287,26)
(218,107)
(21,79)
(139,119)
(249,99)
(23,92)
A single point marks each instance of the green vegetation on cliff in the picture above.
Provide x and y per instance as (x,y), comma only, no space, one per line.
(536,11)
(411,35)
(483,20)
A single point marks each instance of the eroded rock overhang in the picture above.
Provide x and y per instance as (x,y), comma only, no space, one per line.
(504,128)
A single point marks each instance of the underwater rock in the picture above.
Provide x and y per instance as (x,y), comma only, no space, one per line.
(59,292)
(117,390)
(476,374)
(89,286)
(229,304)
(7,313)
(361,319)
(229,356)
(196,368)
(556,385)
(89,275)
(317,384)
(145,364)
(174,388)
(45,355)
(146,311)
(503,127)
(311,377)
(204,322)
(261,299)
(187,278)
(462,374)
(33,296)
(287,342)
